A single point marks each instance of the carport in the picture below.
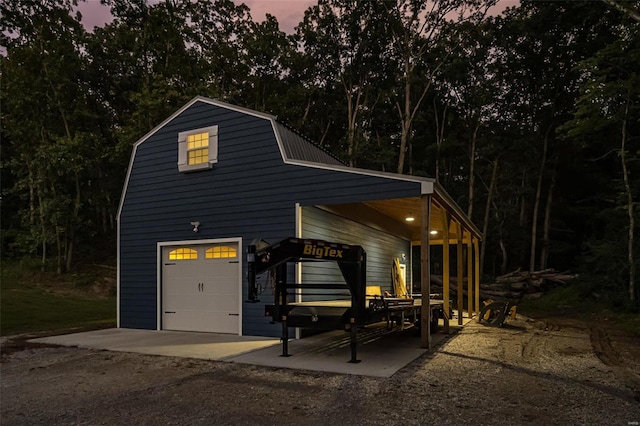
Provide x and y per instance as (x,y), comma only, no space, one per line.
(432,220)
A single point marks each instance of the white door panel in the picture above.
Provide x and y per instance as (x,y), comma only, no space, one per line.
(200,294)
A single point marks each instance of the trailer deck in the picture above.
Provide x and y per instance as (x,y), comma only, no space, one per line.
(389,309)
(337,313)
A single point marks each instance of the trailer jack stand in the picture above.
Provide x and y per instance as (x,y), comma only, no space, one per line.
(354,343)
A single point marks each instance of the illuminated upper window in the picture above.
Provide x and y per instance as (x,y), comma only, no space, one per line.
(197,149)
(183,253)
(221,252)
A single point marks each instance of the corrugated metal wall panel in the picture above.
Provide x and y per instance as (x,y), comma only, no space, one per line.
(381,247)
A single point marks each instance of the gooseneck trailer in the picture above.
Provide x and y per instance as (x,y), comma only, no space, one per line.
(344,305)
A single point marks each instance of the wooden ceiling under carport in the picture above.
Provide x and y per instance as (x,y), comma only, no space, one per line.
(392,214)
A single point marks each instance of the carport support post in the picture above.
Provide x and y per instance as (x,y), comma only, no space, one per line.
(469,275)
(476,253)
(445,269)
(459,270)
(425,275)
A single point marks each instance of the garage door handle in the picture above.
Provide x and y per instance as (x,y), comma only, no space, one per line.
(234,261)
(169,312)
(234,315)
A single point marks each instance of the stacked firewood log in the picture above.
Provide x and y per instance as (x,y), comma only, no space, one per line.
(514,285)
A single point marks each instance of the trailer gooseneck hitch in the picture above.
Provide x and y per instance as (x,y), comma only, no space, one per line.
(351,260)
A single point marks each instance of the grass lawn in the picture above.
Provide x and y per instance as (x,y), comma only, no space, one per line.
(33,301)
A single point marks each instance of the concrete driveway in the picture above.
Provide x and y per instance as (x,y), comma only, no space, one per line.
(382,351)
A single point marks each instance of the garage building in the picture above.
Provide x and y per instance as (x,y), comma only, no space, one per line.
(214,177)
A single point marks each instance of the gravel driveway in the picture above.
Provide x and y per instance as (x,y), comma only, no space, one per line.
(557,372)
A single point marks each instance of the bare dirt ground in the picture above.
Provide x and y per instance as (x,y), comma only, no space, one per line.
(557,371)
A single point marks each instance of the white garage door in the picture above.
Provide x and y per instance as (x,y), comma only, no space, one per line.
(201,288)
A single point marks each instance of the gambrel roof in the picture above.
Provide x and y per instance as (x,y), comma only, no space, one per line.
(297,150)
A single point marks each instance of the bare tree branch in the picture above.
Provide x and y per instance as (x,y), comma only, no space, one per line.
(627,11)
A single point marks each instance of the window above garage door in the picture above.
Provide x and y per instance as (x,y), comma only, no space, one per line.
(183,253)
(221,252)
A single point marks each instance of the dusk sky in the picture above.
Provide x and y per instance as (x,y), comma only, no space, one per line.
(288,12)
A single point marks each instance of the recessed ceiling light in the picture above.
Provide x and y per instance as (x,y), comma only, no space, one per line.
(433,232)
(410,218)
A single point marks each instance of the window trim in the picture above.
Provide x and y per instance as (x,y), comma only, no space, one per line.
(183,163)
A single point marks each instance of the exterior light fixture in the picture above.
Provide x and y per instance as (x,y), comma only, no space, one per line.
(433,232)
(410,218)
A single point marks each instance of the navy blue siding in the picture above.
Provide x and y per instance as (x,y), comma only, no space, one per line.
(249,193)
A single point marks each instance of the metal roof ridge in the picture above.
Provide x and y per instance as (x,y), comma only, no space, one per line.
(227,105)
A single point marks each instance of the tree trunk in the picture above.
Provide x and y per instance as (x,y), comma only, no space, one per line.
(43,230)
(352,116)
(32,206)
(629,206)
(33,190)
(405,113)
(324,135)
(69,251)
(73,221)
(503,250)
(472,162)
(487,209)
(626,10)
(544,250)
(439,136)
(408,112)
(59,249)
(522,203)
(536,204)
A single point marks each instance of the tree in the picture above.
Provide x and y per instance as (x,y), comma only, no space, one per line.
(538,46)
(610,105)
(143,65)
(220,33)
(345,49)
(467,88)
(44,115)
(419,32)
(270,56)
